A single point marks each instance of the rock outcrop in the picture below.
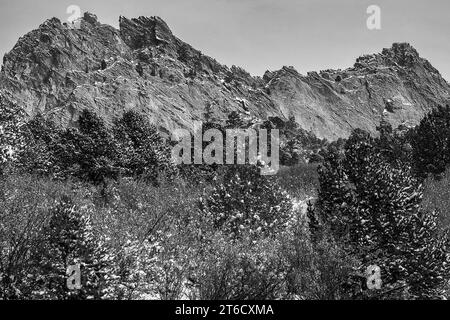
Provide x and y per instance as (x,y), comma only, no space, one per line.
(58,70)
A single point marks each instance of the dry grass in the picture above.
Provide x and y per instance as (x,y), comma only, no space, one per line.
(299,181)
(437,197)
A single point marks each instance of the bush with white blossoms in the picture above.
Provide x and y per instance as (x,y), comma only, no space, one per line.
(12,140)
(135,272)
(247,203)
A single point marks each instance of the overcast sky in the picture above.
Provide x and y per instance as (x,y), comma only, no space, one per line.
(260,35)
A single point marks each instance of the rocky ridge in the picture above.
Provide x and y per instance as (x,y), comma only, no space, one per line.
(57,70)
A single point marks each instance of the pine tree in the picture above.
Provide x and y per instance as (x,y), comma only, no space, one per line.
(394,144)
(334,195)
(41,138)
(431,143)
(69,240)
(204,172)
(142,151)
(89,152)
(289,154)
(372,207)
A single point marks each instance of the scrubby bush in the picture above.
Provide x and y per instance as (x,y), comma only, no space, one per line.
(25,203)
(300,181)
(134,208)
(247,203)
(142,231)
(242,269)
(151,230)
(323,271)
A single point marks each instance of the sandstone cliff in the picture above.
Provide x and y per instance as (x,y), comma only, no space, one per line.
(57,70)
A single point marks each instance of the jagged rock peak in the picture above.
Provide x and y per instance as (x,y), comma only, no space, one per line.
(51,23)
(59,70)
(56,23)
(90,18)
(144,31)
(399,55)
(401,48)
(284,71)
(402,53)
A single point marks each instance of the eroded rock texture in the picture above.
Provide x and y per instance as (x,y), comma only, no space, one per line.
(57,70)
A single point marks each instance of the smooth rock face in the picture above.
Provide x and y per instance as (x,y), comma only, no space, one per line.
(58,71)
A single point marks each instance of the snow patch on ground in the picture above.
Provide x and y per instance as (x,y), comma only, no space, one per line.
(301,206)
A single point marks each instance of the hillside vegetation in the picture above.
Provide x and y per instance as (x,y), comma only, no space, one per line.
(107,196)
